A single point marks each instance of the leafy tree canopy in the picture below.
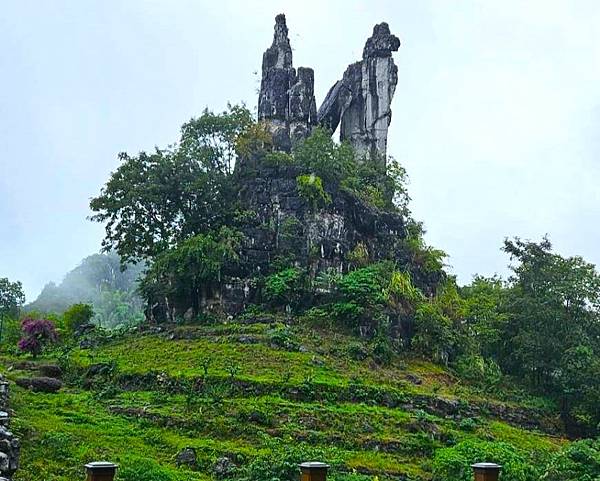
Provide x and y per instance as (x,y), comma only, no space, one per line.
(154,200)
(11,297)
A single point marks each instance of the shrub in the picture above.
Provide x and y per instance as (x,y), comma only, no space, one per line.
(310,187)
(578,461)
(401,290)
(11,331)
(286,287)
(319,154)
(77,315)
(279,159)
(283,337)
(477,369)
(280,461)
(255,139)
(383,351)
(348,313)
(468,424)
(37,334)
(434,337)
(426,258)
(374,196)
(357,351)
(365,287)
(359,255)
(454,464)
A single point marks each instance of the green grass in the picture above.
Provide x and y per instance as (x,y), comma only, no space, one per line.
(270,428)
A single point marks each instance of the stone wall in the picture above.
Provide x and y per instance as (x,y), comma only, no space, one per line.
(9,444)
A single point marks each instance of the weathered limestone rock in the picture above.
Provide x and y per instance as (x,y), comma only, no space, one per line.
(280,227)
(360,102)
(286,101)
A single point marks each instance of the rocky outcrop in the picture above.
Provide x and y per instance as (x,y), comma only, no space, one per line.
(282,228)
(360,102)
(285,225)
(286,101)
(9,444)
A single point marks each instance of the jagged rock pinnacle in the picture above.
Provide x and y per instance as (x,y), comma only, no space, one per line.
(360,102)
(382,43)
(286,102)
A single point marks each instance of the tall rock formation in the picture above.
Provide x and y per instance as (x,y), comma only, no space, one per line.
(283,228)
(360,102)
(287,100)
(280,226)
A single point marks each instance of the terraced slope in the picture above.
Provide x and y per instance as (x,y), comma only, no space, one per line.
(254,399)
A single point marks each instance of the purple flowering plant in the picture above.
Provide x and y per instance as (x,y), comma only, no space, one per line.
(37,333)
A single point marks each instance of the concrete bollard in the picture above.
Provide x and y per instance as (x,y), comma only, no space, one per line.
(100,471)
(313,471)
(486,471)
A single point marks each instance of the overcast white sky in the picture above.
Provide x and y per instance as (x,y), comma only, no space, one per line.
(496,114)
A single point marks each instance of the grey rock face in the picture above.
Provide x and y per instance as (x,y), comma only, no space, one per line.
(360,102)
(286,102)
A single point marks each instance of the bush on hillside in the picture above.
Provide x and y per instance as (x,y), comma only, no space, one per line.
(77,315)
(37,334)
(579,461)
(454,464)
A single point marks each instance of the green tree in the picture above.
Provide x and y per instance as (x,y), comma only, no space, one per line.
(485,318)
(11,300)
(546,329)
(321,156)
(77,315)
(553,305)
(117,308)
(190,270)
(286,287)
(579,382)
(12,297)
(155,200)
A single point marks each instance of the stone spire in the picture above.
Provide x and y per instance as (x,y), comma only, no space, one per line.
(360,102)
(286,101)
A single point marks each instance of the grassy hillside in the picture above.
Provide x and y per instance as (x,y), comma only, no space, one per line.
(255,399)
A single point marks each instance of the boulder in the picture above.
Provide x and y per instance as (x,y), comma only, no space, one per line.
(187,457)
(50,370)
(40,384)
(223,468)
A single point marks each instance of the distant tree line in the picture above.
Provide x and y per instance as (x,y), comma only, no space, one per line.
(102,281)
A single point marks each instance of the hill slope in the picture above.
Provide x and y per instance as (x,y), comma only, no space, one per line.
(252,399)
